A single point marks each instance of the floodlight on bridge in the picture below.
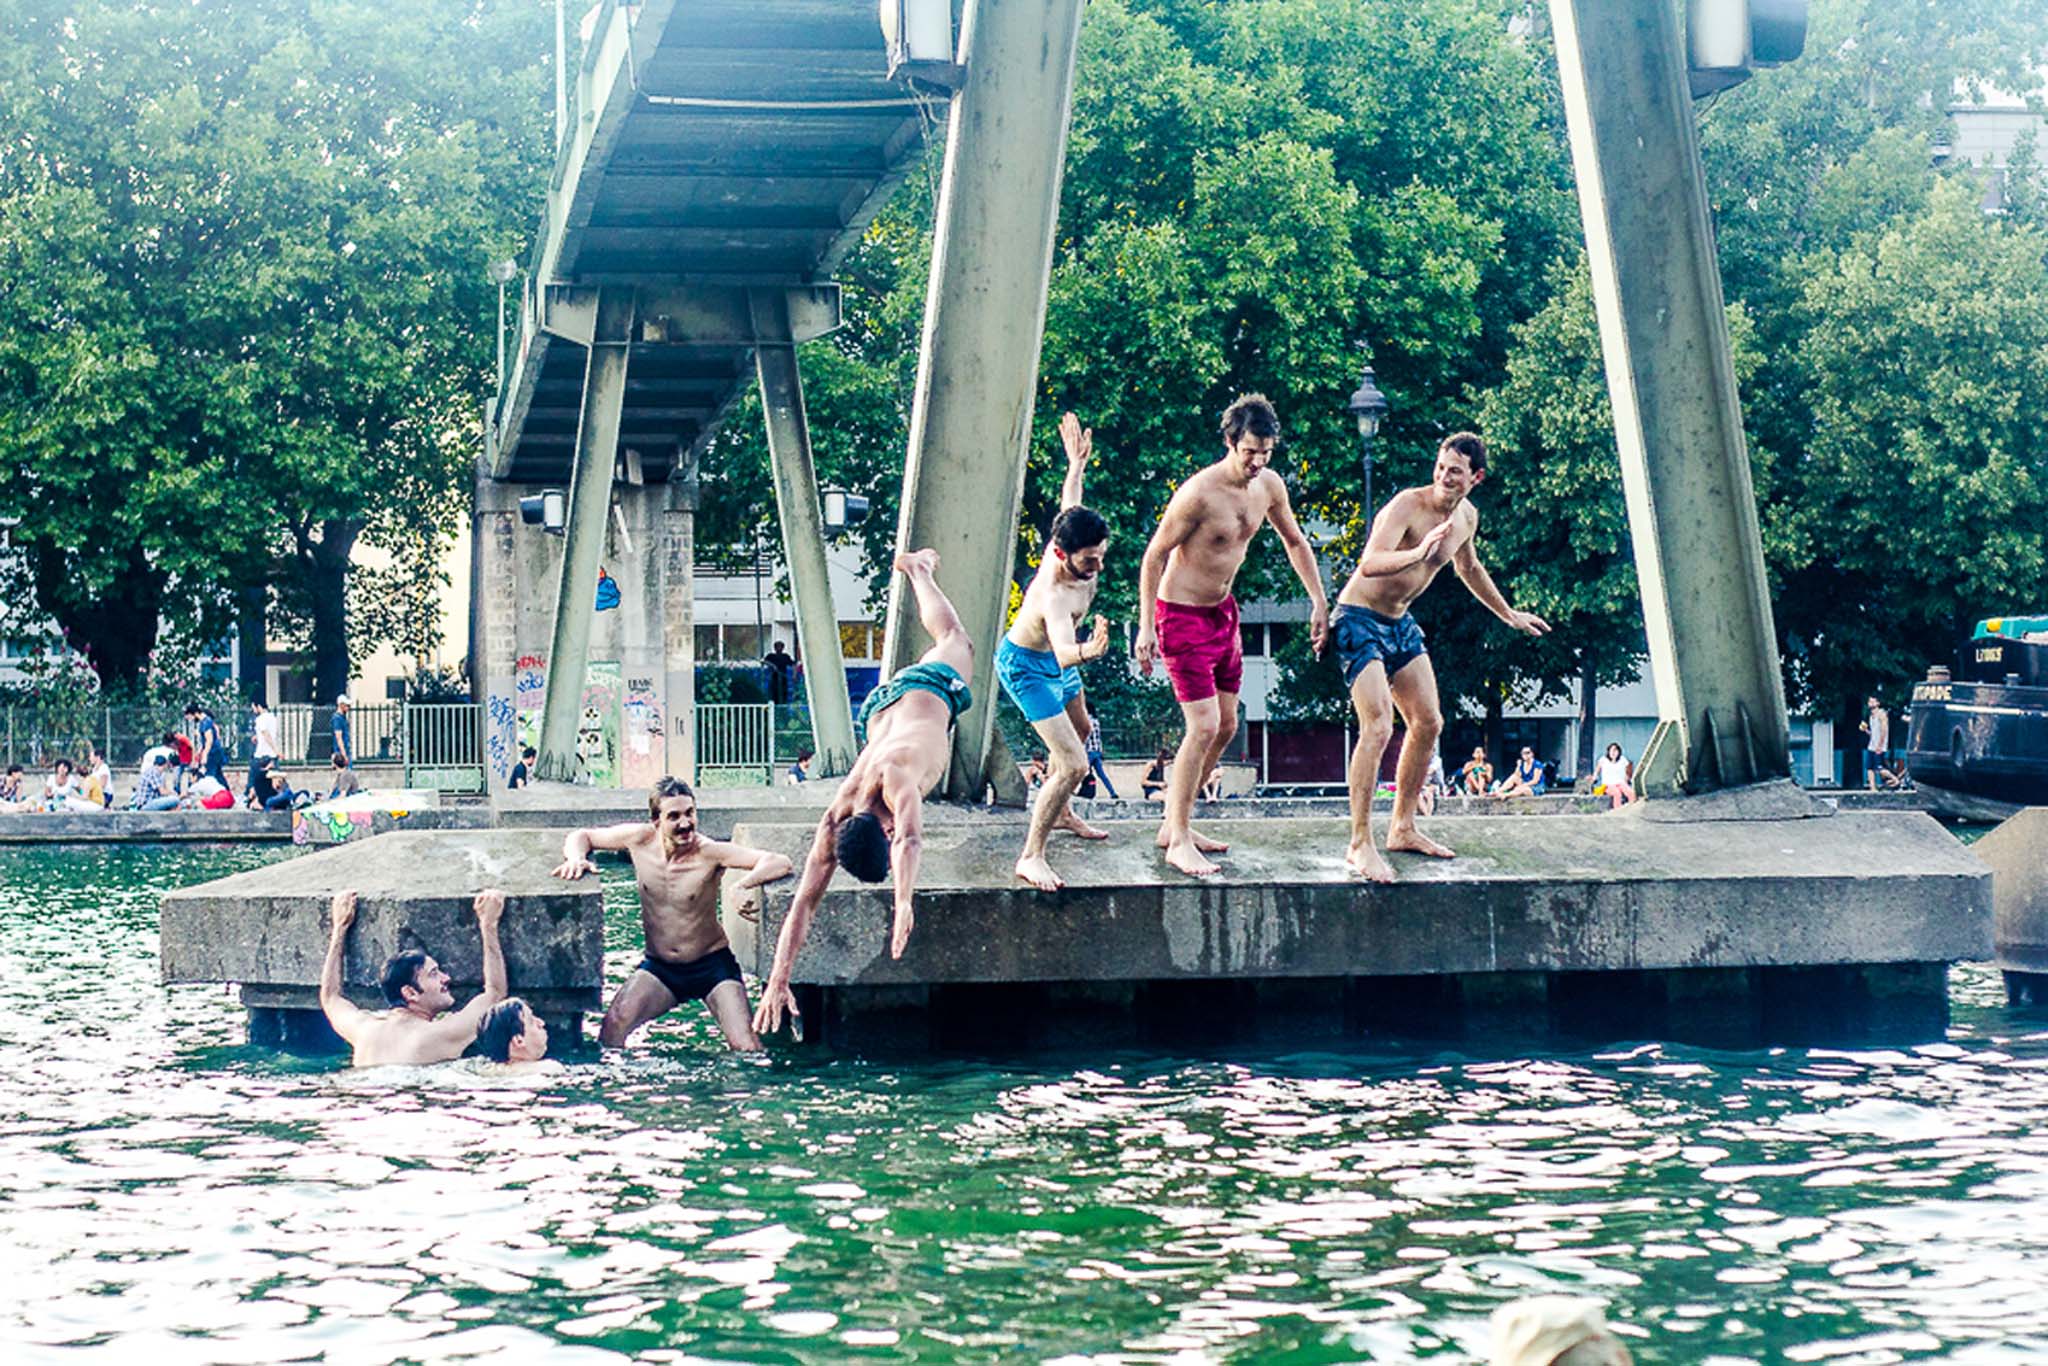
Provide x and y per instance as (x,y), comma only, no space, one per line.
(843,509)
(547,510)
(1727,40)
(919,38)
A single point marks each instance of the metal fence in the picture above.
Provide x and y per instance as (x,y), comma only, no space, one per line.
(306,732)
(417,734)
(442,744)
(737,735)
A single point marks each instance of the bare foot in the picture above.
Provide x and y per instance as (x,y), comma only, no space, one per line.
(1074,825)
(1036,871)
(1362,860)
(1200,841)
(1184,856)
(912,561)
(1413,841)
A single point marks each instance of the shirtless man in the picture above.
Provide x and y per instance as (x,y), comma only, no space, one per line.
(1039,660)
(875,824)
(1188,619)
(513,1034)
(414,1030)
(679,871)
(1417,533)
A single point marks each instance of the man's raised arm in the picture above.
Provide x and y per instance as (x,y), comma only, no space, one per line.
(1079,441)
(776,996)
(1302,556)
(577,844)
(1465,564)
(464,1023)
(341,1012)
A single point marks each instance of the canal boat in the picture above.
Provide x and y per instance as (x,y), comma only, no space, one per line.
(1977,740)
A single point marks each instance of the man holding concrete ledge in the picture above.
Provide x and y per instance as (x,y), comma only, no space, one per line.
(679,872)
(415,1030)
(875,824)
(1039,659)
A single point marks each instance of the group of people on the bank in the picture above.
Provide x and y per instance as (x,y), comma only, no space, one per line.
(187,770)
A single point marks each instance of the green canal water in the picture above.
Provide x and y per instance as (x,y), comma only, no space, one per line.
(168,1195)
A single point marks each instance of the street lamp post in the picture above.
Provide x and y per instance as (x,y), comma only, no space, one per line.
(503,272)
(1369,406)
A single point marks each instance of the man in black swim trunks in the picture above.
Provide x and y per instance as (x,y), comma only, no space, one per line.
(875,824)
(1386,665)
(688,958)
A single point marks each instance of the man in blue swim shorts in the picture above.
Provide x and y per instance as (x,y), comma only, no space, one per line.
(1386,664)
(1039,665)
(874,827)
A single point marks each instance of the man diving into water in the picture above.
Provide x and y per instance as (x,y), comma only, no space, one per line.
(1187,616)
(415,1030)
(678,871)
(875,824)
(1039,659)
(1386,665)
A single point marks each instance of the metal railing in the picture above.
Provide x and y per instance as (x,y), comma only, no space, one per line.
(306,732)
(443,745)
(737,735)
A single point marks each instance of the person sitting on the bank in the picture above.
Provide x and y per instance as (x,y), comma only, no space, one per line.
(1476,776)
(63,792)
(514,1034)
(154,783)
(1616,778)
(1033,772)
(1153,783)
(14,787)
(345,782)
(679,872)
(800,771)
(874,826)
(418,1028)
(1434,785)
(1893,772)
(1554,1330)
(522,772)
(207,793)
(1525,780)
(269,789)
(98,778)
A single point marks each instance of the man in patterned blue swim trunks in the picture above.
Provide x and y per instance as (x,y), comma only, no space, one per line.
(874,827)
(1386,664)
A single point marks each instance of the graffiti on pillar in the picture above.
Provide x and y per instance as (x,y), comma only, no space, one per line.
(643,759)
(607,590)
(597,723)
(501,728)
(529,682)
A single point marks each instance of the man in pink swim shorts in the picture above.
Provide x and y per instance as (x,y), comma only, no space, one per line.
(1187,617)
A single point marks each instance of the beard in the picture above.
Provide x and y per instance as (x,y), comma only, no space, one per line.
(670,843)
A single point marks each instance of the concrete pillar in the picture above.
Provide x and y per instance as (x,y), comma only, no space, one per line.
(1685,468)
(977,371)
(590,500)
(678,618)
(803,531)
(495,589)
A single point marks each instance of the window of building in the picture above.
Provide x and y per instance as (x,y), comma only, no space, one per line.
(1252,634)
(859,640)
(743,644)
(707,645)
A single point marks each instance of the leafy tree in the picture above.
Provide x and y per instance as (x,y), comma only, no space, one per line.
(241,268)
(1921,499)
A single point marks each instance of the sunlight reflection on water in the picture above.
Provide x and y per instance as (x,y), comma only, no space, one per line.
(168,1195)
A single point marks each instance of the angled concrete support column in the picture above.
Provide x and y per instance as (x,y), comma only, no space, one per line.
(590,501)
(970,421)
(1685,468)
(803,530)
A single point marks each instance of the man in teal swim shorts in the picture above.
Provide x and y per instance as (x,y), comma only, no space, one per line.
(874,827)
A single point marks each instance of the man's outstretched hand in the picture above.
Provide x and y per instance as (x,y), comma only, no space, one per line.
(490,906)
(899,934)
(342,911)
(1529,624)
(776,997)
(1078,440)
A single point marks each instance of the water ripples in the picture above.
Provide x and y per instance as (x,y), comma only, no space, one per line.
(167,1195)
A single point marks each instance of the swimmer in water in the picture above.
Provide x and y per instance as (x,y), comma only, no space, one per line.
(418,1028)
(514,1034)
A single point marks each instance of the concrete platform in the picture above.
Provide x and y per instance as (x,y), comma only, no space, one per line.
(2017,854)
(266,929)
(1722,928)
(116,827)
